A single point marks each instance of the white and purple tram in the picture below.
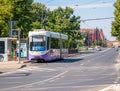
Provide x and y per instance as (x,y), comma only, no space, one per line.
(47,45)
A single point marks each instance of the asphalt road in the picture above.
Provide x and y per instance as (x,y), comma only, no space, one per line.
(92,71)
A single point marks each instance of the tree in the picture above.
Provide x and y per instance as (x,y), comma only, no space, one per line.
(29,16)
(22,15)
(116,23)
(63,21)
(15,10)
(39,18)
(5,15)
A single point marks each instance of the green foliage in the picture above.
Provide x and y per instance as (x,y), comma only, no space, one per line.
(116,23)
(22,15)
(36,25)
(29,16)
(39,17)
(5,14)
(63,20)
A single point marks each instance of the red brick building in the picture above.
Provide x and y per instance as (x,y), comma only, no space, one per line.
(94,36)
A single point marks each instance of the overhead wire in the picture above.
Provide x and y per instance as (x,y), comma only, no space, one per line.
(104,18)
(84,20)
(48,1)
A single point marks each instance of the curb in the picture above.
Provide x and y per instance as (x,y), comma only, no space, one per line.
(22,66)
(8,70)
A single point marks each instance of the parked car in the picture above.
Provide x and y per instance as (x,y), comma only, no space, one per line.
(98,48)
(90,48)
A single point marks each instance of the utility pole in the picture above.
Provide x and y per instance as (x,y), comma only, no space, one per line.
(19,45)
(18,33)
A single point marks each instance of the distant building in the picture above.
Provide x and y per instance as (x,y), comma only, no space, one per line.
(115,43)
(109,43)
(94,36)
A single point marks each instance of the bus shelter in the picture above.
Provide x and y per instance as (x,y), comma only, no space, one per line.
(7,48)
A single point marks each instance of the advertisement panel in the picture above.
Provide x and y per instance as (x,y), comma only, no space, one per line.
(23,47)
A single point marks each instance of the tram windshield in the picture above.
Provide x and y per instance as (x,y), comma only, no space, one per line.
(38,43)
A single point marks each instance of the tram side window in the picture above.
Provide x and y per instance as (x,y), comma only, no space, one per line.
(55,43)
(65,43)
(48,43)
(2,47)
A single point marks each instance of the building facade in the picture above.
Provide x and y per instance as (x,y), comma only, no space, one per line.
(115,43)
(94,36)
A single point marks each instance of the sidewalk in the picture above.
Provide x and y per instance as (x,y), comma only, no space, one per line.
(10,66)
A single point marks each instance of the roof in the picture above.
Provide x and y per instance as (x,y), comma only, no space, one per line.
(47,33)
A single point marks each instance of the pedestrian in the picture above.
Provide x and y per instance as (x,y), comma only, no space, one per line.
(8,54)
(15,54)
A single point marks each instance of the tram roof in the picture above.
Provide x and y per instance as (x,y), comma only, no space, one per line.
(47,33)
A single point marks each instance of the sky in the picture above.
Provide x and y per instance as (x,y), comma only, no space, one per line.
(88,9)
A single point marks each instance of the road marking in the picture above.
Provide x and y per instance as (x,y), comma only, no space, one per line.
(7,73)
(95,53)
(36,69)
(52,78)
(26,69)
(60,87)
(115,87)
(90,55)
(82,64)
(107,88)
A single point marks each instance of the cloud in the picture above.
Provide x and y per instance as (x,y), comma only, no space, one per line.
(79,6)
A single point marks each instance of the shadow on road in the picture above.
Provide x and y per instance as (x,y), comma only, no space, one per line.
(69,60)
(66,60)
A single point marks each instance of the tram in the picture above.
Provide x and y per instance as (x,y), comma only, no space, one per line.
(47,45)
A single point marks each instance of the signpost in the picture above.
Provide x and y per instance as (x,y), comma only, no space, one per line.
(11,23)
(16,32)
